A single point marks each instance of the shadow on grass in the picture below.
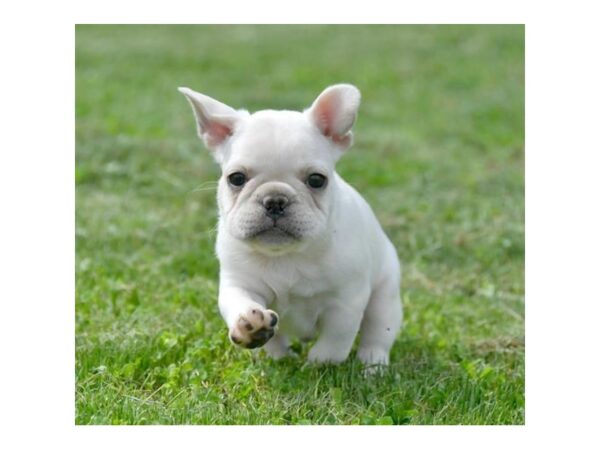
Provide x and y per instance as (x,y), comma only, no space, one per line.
(423,384)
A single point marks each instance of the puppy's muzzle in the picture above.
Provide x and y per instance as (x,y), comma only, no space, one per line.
(275,205)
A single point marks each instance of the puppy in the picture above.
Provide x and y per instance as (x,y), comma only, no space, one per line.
(301,252)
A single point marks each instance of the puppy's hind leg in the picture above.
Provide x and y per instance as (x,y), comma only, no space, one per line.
(381,322)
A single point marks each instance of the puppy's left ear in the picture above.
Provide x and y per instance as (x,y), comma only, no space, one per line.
(334,112)
(215,120)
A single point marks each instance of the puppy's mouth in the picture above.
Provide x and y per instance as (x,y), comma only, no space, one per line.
(274,234)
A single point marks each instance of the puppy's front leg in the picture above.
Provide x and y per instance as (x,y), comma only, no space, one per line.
(338,327)
(250,324)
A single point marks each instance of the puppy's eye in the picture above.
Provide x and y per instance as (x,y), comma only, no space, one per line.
(316,180)
(237,179)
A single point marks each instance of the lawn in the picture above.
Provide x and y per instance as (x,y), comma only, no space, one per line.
(439,154)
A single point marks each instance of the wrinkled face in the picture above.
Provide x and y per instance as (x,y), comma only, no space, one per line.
(277,184)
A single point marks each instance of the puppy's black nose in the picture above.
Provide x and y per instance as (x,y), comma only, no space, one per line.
(275,205)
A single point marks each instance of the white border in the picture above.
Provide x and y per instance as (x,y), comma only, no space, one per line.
(36,181)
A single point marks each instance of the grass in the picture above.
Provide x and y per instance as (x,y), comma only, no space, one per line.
(438,154)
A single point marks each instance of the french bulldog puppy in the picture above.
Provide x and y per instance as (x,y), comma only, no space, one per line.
(301,252)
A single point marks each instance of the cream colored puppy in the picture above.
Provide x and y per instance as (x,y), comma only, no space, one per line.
(301,252)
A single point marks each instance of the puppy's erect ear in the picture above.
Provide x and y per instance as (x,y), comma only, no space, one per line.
(215,120)
(334,112)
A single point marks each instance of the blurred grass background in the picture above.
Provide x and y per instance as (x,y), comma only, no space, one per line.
(438,154)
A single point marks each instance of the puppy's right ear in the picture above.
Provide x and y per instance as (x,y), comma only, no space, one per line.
(334,112)
(215,120)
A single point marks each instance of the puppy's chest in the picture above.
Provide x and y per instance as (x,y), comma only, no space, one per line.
(301,294)
(298,283)
(300,302)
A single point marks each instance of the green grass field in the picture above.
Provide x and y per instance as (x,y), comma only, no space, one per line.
(438,154)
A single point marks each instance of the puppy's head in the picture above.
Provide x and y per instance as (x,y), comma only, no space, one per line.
(277,188)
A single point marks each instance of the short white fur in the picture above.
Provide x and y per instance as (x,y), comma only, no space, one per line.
(322,267)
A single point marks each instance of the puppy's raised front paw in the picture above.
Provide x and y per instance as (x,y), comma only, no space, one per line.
(254,328)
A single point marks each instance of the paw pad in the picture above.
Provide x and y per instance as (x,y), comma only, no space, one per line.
(254,328)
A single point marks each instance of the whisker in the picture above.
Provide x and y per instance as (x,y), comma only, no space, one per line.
(206,186)
(203,189)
